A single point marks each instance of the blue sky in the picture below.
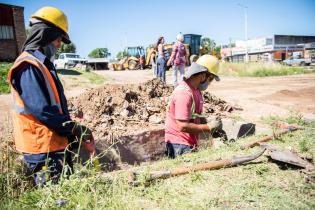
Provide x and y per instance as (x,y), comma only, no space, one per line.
(113,23)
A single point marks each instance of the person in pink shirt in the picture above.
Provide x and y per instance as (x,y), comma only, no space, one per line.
(179,59)
(184,117)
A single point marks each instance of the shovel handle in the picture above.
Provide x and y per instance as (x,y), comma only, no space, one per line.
(287,128)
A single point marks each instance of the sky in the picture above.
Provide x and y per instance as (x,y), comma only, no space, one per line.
(115,24)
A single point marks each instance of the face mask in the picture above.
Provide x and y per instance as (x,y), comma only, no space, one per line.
(50,51)
(203,86)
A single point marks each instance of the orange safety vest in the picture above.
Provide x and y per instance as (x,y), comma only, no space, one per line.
(32,136)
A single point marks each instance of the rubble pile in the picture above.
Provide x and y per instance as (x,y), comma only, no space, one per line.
(125,109)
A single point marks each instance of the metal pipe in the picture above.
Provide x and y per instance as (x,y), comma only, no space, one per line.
(287,129)
(217,164)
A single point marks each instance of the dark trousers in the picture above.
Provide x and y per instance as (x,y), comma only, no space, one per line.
(49,166)
(173,150)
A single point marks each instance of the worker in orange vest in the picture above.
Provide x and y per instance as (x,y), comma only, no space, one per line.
(43,129)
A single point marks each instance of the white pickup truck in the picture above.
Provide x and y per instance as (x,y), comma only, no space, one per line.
(67,60)
(297,61)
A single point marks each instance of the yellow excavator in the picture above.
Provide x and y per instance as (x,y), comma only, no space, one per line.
(131,59)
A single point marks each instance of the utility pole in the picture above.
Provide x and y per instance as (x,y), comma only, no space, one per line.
(125,37)
(246,31)
(230,48)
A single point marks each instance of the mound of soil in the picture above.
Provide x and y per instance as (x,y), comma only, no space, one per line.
(118,110)
(301,100)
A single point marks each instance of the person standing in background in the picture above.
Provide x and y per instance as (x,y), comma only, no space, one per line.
(179,58)
(161,60)
(153,63)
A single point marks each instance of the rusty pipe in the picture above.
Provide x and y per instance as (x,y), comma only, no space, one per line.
(286,129)
(199,167)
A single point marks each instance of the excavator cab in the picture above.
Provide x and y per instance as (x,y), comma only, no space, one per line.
(130,60)
(133,57)
(135,51)
(194,42)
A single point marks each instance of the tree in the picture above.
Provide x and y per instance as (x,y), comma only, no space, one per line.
(27,31)
(217,51)
(66,48)
(207,44)
(99,53)
(120,55)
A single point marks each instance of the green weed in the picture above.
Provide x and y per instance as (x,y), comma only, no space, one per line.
(4,69)
(258,185)
(260,69)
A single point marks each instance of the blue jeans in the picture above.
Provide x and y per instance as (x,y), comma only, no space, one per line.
(154,68)
(161,67)
(48,166)
(181,70)
(173,150)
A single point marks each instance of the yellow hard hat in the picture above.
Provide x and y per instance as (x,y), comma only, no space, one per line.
(54,16)
(210,62)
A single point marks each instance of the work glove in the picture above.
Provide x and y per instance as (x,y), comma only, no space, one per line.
(84,134)
(214,124)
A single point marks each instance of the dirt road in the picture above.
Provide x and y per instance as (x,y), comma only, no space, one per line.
(270,95)
(258,96)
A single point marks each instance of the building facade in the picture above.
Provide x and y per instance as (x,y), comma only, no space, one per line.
(12,31)
(309,50)
(267,49)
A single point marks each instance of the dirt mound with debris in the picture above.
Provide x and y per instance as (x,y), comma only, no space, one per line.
(118,110)
(301,93)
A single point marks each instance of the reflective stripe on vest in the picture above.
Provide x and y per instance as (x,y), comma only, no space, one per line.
(52,90)
(193,114)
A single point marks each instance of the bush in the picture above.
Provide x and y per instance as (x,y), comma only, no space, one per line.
(260,69)
(99,53)
(4,69)
(66,48)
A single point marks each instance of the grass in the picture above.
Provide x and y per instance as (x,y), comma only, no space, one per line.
(93,77)
(12,180)
(80,78)
(4,69)
(261,69)
(236,117)
(259,185)
(305,143)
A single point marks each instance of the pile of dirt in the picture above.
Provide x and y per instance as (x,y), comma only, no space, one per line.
(118,110)
(301,100)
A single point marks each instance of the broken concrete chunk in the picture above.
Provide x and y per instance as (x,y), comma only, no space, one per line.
(155,119)
(153,109)
(125,113)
